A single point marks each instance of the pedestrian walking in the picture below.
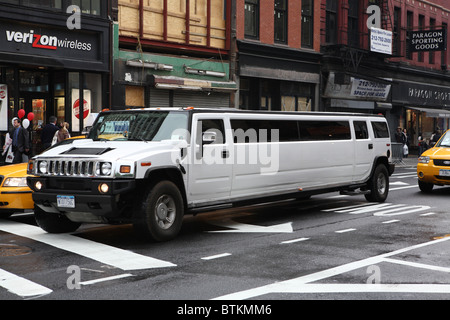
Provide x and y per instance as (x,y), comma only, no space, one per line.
(406,144)
(48,132)
(63,133)
(20,142)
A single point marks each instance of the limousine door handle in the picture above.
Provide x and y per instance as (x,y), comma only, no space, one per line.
(370,146)
(225,154)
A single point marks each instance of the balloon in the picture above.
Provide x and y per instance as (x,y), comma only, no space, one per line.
(26,123)
(30,116)
(21,113)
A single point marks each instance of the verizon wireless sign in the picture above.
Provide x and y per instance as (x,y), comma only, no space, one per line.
(44,41)
(62,43)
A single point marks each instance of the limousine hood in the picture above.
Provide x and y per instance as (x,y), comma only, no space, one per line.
(110,150)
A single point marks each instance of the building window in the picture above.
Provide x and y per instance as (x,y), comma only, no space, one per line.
(307,23)
(409,27)
(352,32)
(421,28)
(280,21)
(431,59)
(251,19)
(396,32)
(92,7)
(331,22)
(444,53)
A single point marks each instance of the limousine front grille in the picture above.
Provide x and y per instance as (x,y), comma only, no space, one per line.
(73,168)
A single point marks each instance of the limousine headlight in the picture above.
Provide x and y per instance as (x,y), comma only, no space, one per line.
(425,159)
(42,167)
(103,169)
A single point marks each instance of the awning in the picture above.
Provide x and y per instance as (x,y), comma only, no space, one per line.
(171,83)
(434,113)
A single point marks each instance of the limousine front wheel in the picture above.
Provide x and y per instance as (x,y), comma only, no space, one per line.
(160,215)
(378,185)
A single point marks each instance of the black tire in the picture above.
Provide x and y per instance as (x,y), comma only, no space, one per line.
(53,222)
(378,185)
(5,214)
(160,214)
(425,187)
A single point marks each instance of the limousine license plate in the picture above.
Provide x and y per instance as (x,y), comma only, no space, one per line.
(444,173)
(65,201)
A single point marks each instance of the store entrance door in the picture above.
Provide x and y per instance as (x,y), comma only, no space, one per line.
(35,103)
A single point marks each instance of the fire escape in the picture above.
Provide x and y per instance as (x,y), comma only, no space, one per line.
(351,56)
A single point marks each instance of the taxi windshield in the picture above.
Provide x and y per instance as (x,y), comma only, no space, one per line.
(140,126)
(445,141)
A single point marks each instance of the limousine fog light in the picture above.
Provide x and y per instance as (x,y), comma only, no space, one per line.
(38,185)
(103,188)
(421,175)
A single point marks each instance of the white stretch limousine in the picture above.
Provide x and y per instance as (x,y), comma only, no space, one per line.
(151,166)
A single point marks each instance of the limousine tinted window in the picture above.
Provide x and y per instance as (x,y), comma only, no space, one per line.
(290,130)
(324,130)
(380,129)
(361,131)
(261,130)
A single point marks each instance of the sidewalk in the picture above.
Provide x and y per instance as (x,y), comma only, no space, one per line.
(409,162)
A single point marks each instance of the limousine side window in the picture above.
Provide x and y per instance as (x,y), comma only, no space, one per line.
(246,131)
(361,130)
(212,131)
(380,129)
(324,130)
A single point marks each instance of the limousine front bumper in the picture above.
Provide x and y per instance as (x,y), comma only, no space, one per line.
(102,199)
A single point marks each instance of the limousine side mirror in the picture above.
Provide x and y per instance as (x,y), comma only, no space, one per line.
(209,137)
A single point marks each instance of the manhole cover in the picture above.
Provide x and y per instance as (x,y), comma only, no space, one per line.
(12,250)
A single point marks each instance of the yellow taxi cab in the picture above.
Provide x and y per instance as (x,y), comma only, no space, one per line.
(433,167)
(15,195)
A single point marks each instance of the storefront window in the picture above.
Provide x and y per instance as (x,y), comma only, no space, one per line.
(74,99)
(92,7)
(93,97)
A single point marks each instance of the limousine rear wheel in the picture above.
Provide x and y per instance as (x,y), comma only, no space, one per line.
(378,185)
(160,215)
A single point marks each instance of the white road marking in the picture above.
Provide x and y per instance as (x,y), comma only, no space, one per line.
(248,228)
(390,221)
(345,230)
(417,265)
(21,286)
(217,256)
(119,258)
(303,284)
(120,276)
(294,240)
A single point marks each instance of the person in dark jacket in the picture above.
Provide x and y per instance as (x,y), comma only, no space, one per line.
(48,132)
(20,141)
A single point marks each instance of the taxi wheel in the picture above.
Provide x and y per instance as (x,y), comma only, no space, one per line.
(425,187)
(160,213)
(53,222)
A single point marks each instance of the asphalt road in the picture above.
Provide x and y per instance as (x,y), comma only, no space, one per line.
(325,248)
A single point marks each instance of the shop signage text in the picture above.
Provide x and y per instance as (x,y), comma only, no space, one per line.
(44,41)
(53,42)
(380,41)
(431,40)
(422,95)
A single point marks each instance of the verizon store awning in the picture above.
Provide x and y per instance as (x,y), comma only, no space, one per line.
(434,113)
